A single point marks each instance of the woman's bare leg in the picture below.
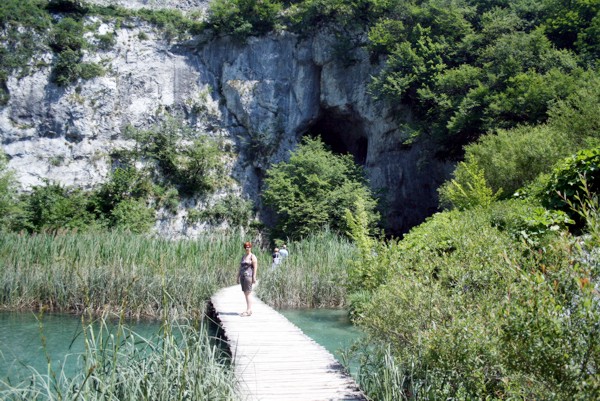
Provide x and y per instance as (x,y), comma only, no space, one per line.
(247,294)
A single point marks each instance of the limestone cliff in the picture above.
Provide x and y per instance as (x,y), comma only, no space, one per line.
(276,88)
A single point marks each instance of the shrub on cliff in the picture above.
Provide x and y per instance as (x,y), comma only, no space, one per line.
(242,18)
(192,161)
(8,195)
(52,207)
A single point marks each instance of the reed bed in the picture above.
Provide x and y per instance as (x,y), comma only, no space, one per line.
(116,271)
(314,274)
(116,274)
(178,363)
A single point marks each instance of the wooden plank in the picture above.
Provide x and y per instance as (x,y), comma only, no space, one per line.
(274,359)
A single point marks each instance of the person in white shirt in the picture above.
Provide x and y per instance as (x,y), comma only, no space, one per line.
(276,258)
(283,252)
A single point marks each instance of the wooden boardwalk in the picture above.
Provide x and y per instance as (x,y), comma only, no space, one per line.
(274,360)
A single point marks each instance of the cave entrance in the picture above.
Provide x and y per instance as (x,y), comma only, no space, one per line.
(342,133)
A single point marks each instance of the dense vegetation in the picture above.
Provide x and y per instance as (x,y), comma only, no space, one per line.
(178,363)
(494,297)
(167,161)
(497,296)
(314,189)
(64,27)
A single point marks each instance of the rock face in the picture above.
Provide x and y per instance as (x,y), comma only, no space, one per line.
(183,5)
(263,95)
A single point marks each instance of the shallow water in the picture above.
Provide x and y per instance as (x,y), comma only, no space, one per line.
(22,339)
(331,328)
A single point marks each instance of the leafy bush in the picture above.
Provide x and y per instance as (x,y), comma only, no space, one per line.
(232,209)
(67,34)
(527,220)
(469,314)
(513,158)
(572,179)
(53,207)
(125,183)
(192,162)
(314,189)
(242,18)
(200,166)
(133,215)
(9,206)
(468,188)
(67,41)
(376,258)
(69,68)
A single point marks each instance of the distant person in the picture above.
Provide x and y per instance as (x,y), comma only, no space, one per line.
(283,252)
(276,258)
(247,276)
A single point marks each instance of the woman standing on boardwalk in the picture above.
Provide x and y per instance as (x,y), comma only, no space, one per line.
(247,276)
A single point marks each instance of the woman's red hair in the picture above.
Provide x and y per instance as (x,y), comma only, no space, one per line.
(246,244)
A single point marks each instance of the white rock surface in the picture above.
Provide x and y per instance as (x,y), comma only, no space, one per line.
(183,5)
(277,87)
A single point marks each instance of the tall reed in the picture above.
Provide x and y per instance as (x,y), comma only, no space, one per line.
(313,275)
(107,271)
(179,363)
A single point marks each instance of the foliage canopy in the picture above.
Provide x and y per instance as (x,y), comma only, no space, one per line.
(314,189)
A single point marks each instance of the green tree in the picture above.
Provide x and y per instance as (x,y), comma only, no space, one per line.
(133,215)
(578,115)
(243,18)
(574,24)
(52,207)
(375,262)
(468,188)
(314,189)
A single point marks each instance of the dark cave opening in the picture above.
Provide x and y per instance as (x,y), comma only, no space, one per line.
(342,133)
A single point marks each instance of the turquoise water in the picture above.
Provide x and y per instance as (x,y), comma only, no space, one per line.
(330,328)
(22,341)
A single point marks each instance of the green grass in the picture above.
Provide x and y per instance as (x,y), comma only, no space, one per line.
(143,276)
(110,274)
(179,363)
(115,271)
(314,274)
